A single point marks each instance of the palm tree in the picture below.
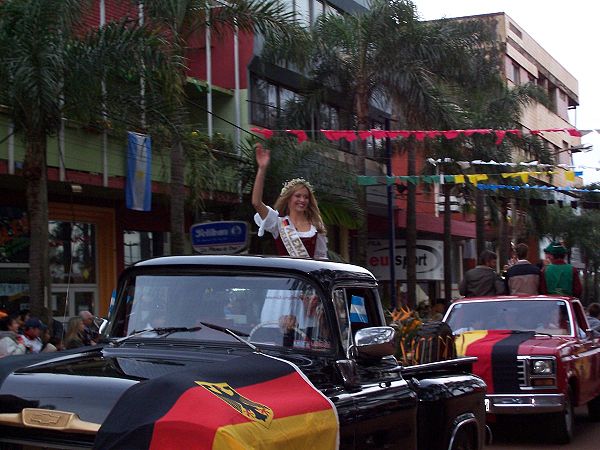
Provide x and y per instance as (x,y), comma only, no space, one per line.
(181,19)
(50,69)
(385,55)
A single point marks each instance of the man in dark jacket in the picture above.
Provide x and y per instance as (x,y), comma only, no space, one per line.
(482,280)
(522,278)
(558,277)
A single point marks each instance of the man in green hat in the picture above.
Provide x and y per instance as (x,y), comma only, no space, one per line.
(558,277)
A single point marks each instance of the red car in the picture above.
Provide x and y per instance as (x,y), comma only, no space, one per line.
(536,354)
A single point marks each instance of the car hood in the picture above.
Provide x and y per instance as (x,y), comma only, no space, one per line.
(90,382)
(87,383)
(497,352)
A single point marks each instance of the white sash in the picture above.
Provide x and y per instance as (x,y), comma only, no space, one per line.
(289,236)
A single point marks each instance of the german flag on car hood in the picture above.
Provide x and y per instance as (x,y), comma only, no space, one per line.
(496,352)
(250,402)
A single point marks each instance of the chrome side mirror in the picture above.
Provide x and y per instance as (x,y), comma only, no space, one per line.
(375,342)
(102,325)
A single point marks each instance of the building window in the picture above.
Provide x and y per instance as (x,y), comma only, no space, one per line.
(515,30)
(516,73)
(269,101)
(141,245)
(72,252)
(302,10)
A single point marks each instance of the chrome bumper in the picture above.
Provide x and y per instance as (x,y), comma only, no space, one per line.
(524,403)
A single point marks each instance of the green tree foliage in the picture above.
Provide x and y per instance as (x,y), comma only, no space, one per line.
(50,68)
(179,21)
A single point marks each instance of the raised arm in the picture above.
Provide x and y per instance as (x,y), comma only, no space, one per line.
(263,157)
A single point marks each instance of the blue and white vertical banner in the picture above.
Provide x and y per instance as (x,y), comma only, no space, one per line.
(138,189)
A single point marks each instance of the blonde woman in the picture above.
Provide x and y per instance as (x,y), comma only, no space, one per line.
(295,220)
(74,333)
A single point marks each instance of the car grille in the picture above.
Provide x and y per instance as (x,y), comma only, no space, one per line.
(521,372)
(32,438)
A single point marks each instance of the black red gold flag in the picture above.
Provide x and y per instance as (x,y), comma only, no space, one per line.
(496,352)
(250,402)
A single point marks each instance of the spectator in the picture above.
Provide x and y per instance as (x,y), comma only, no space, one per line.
(558,277)
(74,334)
(482,280)
(11,343)
(32,330)
(49,344)
(22,317)
(593,316)
(522,278)
(90,332)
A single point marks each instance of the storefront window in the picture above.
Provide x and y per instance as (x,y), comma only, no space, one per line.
(72,252)
(14,235)
(141,245)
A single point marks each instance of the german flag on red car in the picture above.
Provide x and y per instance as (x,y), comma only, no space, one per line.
(250,402)
(496,352)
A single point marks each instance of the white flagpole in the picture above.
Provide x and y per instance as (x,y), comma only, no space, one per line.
(142,79)
(209,104)
(104,114)
(236,55)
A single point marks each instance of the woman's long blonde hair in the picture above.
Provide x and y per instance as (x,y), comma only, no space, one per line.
(312,212)
(73,329)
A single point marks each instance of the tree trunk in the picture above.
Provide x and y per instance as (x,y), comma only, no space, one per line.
(35,174)
(586,281)
(362,235)
(480,221)
(177,199)
(447,245)
(503,235)
(411,229)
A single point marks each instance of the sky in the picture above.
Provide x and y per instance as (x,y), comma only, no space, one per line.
(569,31)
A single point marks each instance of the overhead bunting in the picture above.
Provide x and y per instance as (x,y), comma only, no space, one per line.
(371,180)
(419,135)
(478,162)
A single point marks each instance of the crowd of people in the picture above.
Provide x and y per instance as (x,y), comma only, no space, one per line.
(21,333)
(521,277)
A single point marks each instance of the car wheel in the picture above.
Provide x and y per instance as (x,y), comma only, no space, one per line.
(564,422)
(594,409)
(434,342)
(464,440)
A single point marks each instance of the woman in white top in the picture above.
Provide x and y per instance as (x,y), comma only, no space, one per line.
(295,220)
(11,343)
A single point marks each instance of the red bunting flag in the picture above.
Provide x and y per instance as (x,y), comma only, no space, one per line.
(364,134)
(420,135)
(477,131)
(451,134)
(500,136)
(266,133)
(300,134)
(379,134)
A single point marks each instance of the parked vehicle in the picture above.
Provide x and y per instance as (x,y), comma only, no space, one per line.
(229,350)
(535,353)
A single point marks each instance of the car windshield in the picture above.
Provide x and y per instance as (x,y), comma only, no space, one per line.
(543,316)
(269,310)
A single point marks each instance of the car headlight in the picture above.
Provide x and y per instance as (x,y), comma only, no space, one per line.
(542,367)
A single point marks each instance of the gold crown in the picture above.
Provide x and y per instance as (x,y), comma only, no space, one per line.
(295,182)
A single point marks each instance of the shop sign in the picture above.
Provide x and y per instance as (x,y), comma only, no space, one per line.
(220,238)
(429,259)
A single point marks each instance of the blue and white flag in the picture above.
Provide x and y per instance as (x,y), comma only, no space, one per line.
(358,312)
(138,188)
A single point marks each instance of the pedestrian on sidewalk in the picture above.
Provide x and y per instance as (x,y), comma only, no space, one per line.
(522,277)
(295,220)
(482,280)
(11,343)
(558,277)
